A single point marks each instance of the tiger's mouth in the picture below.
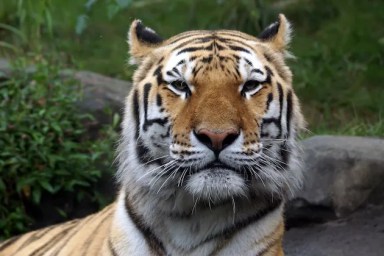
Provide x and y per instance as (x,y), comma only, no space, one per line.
(215,182)
(217,164)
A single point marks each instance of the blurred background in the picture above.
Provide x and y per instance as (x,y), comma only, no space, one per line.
(49,149)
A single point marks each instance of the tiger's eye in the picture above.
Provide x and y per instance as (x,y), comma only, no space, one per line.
(250,85)
(180,85)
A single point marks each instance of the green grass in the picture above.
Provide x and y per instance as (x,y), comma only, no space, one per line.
(339,71)
(339,47)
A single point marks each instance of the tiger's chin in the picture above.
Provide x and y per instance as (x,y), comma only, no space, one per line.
(216,185)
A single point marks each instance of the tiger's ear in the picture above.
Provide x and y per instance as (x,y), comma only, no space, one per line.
(278,34)
(141,40)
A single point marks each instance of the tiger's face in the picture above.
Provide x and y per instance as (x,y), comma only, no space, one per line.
(211,114)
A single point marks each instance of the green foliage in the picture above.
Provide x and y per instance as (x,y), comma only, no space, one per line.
(44,144)
(30,19)
(15,32)
(112,6)
(246,14)
(338,73)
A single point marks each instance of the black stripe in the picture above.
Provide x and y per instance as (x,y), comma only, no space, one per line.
(284,154)
(186,35)
(158,75)
(176,71)
(141,150)
(289,112)
(237,71)
(136,113)
(269,71)
(243,223)
(269,100)
(9,242)
(232,34)
(190,49)
(203,39)
(89,240)
(160,60)
(196,48)
(180,63)
(36,235)
(75,231)
(149,122)
(256,70)
(111,248)
(219,47)
(196,70)
(233,40)
(206,39)
(40,233)
(159,101)
(147,88)
(152,240)
(238,48)
(271,120)
(41,250)
(281,101)
(170,73)
(248,62)
(207,59)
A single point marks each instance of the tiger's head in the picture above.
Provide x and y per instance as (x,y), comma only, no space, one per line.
(212,114)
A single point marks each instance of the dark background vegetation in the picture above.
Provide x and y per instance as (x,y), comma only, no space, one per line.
(45,153)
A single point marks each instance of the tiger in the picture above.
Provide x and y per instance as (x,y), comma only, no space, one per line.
(208,153)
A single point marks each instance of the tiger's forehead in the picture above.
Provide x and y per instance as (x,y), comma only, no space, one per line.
(198,54)
(206,35)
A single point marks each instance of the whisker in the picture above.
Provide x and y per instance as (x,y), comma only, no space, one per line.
(195,204)
(255,173)
(163,171)
(173,174)
(154,169)
(273,160)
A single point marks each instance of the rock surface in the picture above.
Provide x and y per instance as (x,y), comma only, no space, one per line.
(101,93)
(344,191)
(360,234)
(343,173)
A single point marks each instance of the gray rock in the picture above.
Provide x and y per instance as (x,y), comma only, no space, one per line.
(343,173)
(101,93)
(361,233)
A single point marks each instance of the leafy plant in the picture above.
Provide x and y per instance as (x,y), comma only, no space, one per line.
(33,17)
(30,19)
(45,149)
(113,7)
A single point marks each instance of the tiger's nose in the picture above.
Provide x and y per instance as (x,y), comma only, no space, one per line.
(216,140)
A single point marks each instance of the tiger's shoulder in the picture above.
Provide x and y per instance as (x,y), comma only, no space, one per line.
(86,236)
